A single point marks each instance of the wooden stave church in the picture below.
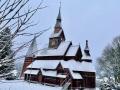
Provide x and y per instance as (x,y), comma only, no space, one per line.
(60,63)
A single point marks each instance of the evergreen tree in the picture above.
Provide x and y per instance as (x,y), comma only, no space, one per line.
(109,62)
(6,59)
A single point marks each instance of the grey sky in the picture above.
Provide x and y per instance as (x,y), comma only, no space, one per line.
(95,20)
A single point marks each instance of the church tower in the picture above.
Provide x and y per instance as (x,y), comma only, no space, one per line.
(31,53)
(58,35)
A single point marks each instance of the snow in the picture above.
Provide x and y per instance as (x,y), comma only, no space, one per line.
(14,72)
(84,57)
(22,85)
(52,74)
(72,51)
(33,72)
(70,64)
(76,75)
(60,51)
(56,34)
(78,66)
(61,76)
(46,64)
(49,73)
(87,66)
(91,89)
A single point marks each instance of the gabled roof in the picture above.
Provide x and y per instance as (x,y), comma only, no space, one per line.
(70,64)
(52,74)
(45,64)
(78,66)
(33,72)
(60,51)
(72,50)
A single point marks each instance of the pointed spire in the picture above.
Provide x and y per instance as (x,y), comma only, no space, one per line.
(86,50)
(59,14)
(32,51)
(86,54)
(86,47)
(58,20)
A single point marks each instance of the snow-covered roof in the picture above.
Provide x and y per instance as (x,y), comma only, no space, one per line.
(72,51)
(61,76)
(49,73)
(60,51)
(70,64)
(85,56)
(46,64)
(52,74)
(75,75)
(78,66)
(34,72)
(56,34)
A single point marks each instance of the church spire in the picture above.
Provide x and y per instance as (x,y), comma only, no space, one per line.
(32,51)
(86,47)
(58,35)
(86,54)
(86,50)
(59,14)
(58,20)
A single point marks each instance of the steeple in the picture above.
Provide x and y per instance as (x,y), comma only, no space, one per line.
(86,54)
(32,51)
(58,20)
(58,35)
(59,15)
(86,50)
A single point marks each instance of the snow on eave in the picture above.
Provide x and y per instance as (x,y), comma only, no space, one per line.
(72,50)
(34,72)
(46,64)
(52,74)
(60,51)
(70,64)
(75,75)
(78,66)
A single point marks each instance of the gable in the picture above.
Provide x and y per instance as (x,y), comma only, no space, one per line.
(59,66)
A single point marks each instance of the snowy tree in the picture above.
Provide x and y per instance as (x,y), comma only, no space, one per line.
(7,62)
(16,15)
(109,62)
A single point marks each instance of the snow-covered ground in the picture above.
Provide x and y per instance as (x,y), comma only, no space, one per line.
(22,85)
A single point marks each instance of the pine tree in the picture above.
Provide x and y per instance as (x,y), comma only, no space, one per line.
(6,60)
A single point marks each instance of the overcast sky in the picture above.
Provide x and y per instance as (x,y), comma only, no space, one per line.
(95,20)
